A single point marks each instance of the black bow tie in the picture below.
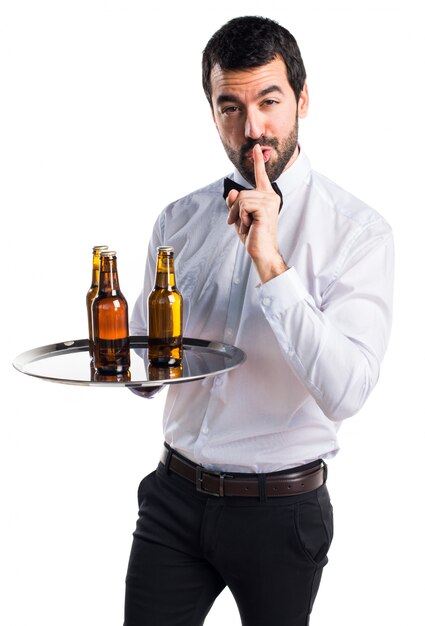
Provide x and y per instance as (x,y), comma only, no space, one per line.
(230,184)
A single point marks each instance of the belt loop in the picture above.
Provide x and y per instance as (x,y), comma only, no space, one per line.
(168,459)
(262,487)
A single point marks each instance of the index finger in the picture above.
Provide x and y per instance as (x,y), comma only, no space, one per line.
(262,181)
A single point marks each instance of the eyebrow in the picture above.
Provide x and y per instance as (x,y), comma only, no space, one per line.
(264,92)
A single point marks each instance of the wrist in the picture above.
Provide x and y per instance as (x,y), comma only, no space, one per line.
(269,269)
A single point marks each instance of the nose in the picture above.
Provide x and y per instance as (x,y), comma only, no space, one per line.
(254,127)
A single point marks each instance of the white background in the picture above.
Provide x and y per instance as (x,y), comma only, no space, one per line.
(103,122)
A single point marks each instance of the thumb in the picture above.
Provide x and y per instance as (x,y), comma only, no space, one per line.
(233,215)
(231,198)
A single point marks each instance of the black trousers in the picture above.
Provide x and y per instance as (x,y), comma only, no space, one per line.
(188,546)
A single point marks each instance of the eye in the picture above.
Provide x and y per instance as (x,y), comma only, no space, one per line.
(230,110)
(270,102)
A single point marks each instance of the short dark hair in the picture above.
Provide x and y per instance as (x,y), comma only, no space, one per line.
(252,41)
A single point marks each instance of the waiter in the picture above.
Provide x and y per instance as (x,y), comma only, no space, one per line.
(281,262)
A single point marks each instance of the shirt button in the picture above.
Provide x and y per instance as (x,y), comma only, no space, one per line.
(266,301)
(218,381)
(237,280)
(205,430)
(229,332)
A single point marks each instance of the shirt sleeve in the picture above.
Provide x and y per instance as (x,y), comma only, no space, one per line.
(139,318)
(336,346)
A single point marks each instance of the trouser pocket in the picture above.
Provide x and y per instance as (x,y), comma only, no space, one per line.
(313,520)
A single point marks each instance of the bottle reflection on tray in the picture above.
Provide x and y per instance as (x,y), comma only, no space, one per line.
(164,373)
(109,378)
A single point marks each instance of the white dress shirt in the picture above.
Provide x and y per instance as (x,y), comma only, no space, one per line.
(314,336)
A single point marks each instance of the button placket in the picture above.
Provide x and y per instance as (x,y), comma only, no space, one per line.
(234,311)
(237,293)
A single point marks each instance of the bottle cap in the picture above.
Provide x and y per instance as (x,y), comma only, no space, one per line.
(165,249)
(108,253)
(99,248)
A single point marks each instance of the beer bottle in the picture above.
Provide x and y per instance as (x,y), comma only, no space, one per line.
(91,294)
(165,314)
(110,320)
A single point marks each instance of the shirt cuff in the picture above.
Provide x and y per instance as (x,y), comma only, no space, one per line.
(280,293)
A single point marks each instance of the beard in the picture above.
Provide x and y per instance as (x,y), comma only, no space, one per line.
(274,166)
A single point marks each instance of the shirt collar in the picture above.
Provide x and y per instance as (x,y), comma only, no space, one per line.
(289,179)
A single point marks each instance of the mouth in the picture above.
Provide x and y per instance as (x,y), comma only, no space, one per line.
(266,151)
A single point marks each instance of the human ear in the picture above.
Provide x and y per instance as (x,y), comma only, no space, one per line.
(303,102)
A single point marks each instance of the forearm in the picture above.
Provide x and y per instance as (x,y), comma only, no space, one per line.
(335,352)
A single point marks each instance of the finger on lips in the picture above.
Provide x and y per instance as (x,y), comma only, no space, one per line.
(241,216)
(262,181)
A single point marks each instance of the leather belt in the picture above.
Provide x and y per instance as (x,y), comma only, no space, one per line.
(288,483)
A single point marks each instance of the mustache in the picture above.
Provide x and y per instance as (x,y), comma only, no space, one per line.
(272,142)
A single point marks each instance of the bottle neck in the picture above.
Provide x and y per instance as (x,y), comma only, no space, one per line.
(108,276)
(96,269)
(165,277)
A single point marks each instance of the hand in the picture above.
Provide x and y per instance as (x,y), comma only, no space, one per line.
(254,212)
(146,392)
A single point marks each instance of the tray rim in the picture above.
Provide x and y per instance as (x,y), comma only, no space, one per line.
(136,341)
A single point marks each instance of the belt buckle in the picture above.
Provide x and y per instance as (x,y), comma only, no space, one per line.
(199,481)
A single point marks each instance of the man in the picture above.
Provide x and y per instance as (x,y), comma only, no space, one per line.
(302,284)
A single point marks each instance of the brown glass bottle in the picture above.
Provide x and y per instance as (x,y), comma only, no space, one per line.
(165,314)
(92,292)
(110,320)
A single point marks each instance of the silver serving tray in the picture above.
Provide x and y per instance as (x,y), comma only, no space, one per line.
(69,363)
